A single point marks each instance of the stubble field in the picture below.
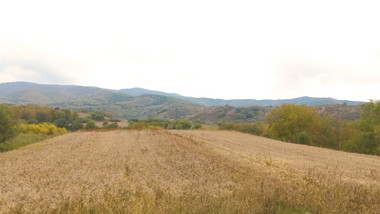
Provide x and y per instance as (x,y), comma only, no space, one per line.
(184,172)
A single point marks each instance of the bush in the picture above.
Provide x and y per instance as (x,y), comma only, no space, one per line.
(62,123)
(106,125)
(98,116)
(183,124)
(112,126)
(303,138)
(197,124)
(42,128)
(76,125)
(91,124)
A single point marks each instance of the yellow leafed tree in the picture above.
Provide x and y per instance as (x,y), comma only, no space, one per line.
(288,121)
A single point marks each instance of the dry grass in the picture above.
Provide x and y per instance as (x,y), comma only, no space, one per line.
(184,172)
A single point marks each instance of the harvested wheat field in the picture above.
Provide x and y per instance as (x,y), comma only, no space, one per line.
(184,172)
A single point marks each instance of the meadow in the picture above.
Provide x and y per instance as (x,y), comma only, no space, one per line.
(177,171)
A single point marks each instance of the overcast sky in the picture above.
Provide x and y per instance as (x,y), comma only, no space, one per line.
(218,49)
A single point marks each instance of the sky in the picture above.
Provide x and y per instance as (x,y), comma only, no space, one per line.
(218,49)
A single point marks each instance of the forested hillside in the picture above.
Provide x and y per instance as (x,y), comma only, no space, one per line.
(145,104)
(310,101)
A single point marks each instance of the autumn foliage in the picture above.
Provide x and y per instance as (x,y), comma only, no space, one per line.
(42,128)
(288,121)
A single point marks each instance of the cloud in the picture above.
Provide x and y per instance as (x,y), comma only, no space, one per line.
(30,71)
(245,49)
(22,61)
(300,74)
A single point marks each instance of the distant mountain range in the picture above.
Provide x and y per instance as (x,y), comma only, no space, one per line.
(310,101)
(143,103)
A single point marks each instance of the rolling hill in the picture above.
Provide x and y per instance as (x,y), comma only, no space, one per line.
(26,92)
(142,103)
(310,101)
(184,172)
(78,97)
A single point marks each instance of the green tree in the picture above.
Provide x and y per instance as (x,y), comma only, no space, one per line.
(28,113)
(367,138)
(58,115)
(7,124)
(45,115)
(286,121)
(333,132)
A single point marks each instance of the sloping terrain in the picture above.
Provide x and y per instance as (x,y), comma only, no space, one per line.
(184,172)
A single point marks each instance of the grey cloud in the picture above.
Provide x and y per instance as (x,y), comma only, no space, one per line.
(299,73)
(44,72)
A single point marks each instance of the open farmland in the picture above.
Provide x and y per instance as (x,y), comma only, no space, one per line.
(185,172)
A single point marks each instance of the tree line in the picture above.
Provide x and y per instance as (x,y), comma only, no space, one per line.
(36,119)
(155,124)
(301,124)
(289,123)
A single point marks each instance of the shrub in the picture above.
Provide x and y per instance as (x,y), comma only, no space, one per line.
(91,124)
(42,128)
(183,124)
(62,123)
(197,124)
(76,125)
(106,125)
(112,126)
(303,138)
(98,116)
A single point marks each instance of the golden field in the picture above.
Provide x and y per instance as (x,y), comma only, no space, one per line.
(184,172)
